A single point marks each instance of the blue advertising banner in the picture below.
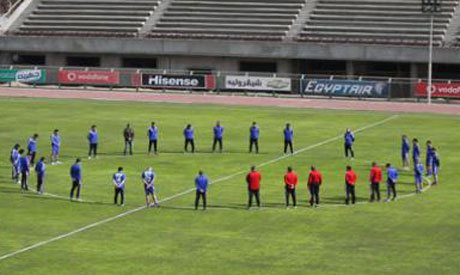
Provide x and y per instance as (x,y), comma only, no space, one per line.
(352,88)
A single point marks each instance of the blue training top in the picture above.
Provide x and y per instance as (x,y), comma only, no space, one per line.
(288,133)
(24,164)
(218,132)
(40,169)
(119,179)
(153,133)
(75,172)
(415,151)
(349,138)
(93,137)
(55,140)
(32,146)
(392,174)
(201,183)
(188,133)
(405,147)
(254,132)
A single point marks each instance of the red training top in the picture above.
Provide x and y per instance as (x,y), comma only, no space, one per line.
(315,177)
(350,177)
(291,179)
(376,175)
(253,179)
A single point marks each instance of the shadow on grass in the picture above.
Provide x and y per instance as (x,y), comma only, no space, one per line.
(34,195)
(178,152)
(45,197)
(191,207)
(13,189)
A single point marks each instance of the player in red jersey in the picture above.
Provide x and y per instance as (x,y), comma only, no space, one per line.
(290,182)
(375,178)
(253,179)
(314,182)
(350,182)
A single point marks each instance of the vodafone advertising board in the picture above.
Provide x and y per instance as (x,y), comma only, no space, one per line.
(438,89)
(88,77)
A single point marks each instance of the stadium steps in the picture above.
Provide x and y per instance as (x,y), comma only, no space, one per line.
(399,21)
(300,21)
(240,19)
(88,16)
(153,19)
(452,38)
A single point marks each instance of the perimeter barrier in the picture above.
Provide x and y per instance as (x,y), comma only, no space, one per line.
(306,85)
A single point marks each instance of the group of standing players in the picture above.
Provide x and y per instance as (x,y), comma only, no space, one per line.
(22,164)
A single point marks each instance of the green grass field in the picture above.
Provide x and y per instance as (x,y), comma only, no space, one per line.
(414,235)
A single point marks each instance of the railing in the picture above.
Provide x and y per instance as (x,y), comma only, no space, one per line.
(144,80)
(240,37)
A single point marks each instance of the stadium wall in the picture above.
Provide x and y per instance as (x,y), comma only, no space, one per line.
(218,55)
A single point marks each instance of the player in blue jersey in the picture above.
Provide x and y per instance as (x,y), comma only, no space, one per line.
(436,164)
(218,131)
(405,149)
(40,169)
(288,134)
(76,177)
(148,178)
(55,147)
(254,133)
(119,180)
(349,138)
(201,184)
(429,158)
(24,170)
(32,148)
(415,152)
(152,133)
(14,159)
(93,139)
(189,136)
(392,178)
(418,174)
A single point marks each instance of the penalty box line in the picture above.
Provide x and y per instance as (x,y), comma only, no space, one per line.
(135,210)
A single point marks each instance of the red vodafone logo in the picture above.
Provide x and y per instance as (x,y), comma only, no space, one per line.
(93,77)
(72,76)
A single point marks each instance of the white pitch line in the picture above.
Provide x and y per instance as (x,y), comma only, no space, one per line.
(63,197)
(124,214)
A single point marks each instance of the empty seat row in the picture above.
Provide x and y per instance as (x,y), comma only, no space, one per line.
(392,20)
(110,16)
(244,19)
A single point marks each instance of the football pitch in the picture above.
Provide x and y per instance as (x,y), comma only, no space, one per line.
(417,234)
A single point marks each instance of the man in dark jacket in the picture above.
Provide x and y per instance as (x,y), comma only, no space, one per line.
(128,134)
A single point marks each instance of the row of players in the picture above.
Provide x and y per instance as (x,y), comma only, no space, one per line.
(254,177)
(153,133)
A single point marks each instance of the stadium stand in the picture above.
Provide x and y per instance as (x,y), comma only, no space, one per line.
(375,21)
(88,17)
(240,19)
(397,22)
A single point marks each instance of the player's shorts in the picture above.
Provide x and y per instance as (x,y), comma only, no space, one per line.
(405,156)
(429,162)
(16,168)
(55,150)
(418,179)
(149,191)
